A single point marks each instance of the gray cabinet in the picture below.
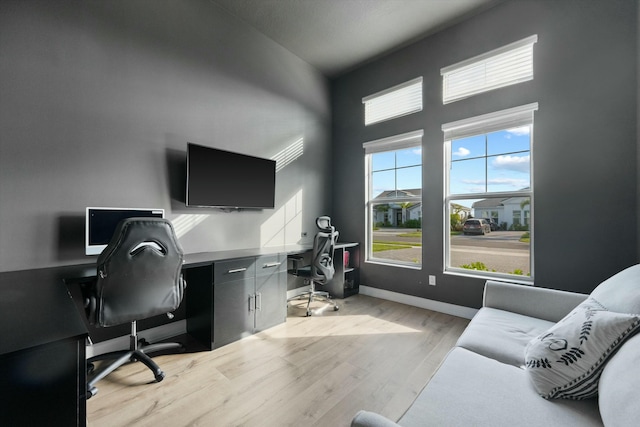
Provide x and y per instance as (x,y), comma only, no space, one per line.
(249,295)
(271,291)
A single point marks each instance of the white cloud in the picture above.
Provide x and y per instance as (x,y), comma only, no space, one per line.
(512,163)
(462,152)
(417,151)
(519,131)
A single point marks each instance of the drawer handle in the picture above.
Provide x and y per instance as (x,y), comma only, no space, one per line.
(237,270)
(271,264)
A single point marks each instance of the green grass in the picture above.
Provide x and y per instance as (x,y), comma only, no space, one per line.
(387,246)
(414,234)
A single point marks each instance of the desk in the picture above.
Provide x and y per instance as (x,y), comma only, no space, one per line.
(43,333)
(42,350)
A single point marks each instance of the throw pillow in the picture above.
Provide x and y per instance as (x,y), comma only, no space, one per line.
(566,361)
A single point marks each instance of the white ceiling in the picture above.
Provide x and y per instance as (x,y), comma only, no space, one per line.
(336,35)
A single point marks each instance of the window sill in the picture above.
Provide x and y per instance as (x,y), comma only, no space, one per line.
(412,266)
(522,280)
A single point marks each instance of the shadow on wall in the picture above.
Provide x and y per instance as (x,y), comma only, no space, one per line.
(70,237)
(177,178)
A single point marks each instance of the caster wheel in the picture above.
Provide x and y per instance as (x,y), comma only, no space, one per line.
(159,376)
(90,368)
(308,313)
(336,308)
(91,392)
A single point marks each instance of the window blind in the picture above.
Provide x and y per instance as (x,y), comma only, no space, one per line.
(500,67)
(400,100)
(486,123)
(396,142)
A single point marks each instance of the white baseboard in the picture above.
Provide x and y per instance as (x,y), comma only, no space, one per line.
(439,306)
(152,335)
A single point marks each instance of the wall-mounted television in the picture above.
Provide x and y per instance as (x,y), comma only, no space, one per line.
(101,223)
(224,179)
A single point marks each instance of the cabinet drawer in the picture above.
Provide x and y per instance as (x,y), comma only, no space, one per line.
(270,264)
(234,269)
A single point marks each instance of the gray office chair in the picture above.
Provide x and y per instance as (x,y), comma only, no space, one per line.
(321,270)
(139,276)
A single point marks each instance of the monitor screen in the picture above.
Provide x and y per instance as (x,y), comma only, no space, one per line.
(219,178)
(102,222)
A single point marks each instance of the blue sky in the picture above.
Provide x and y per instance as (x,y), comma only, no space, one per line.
(494,162)
(498,161)
(400,169)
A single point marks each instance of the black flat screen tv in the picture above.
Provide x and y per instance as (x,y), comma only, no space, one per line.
(224,179)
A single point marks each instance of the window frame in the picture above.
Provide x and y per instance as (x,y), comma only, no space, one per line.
(393,143)
(481,125)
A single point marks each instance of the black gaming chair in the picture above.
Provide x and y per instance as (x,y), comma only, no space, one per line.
(139,276)
(321,270)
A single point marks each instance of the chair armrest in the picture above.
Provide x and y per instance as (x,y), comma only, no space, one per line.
(542,303)
(371,419)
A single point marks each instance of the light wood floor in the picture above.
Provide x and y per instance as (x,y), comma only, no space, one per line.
(310,371)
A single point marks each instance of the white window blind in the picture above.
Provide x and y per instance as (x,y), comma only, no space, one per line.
(486,123)
(500,67)
(396,142)
(400,100)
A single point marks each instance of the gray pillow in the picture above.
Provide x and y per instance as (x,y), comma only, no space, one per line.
(618,386)
(566,361)
(621,292)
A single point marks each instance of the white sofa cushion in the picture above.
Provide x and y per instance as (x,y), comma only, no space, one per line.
(501,335)
(621,292)
(472,390)
(618,387)
(566,361)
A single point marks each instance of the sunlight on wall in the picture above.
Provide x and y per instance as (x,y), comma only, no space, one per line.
(184,223)
(284,227)
(289,154)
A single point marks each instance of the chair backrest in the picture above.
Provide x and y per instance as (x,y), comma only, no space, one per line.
(322,269)
(139,272)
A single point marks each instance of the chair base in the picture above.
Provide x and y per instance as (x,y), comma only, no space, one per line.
(314,295)
(123,357)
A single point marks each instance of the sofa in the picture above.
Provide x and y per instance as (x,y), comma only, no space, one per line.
(497,374)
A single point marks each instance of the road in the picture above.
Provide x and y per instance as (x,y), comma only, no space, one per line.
(500,250)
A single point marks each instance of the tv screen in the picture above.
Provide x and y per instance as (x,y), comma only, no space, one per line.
(219,178)
(102,222)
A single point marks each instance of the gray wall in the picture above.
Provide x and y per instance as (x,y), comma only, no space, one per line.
(99,100)
(585,149)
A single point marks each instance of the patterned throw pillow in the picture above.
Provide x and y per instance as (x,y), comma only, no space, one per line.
(566,361)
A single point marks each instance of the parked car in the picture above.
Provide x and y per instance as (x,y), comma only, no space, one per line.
(492,223)
(476,226)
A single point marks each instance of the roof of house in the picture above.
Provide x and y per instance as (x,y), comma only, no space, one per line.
(415,192)
(488,203)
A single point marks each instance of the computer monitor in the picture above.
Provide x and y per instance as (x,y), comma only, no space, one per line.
(101,223)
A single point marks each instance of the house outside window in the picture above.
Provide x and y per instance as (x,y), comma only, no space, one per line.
(394,200)
(489,175)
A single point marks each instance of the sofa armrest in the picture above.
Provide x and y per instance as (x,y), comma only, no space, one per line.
(371,419)
(542,303)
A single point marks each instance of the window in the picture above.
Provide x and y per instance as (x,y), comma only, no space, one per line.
(394,199)
(501,67)
(400,100)
(489,176)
